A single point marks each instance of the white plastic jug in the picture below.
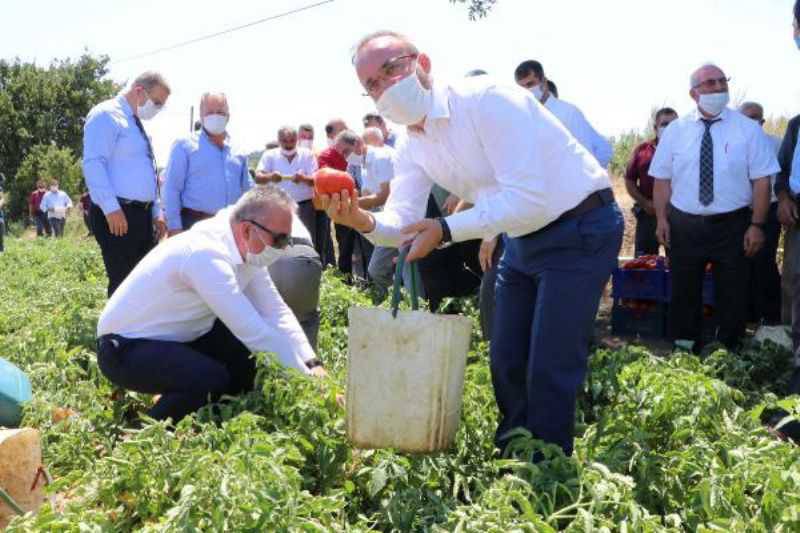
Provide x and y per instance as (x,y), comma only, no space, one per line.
(405,378)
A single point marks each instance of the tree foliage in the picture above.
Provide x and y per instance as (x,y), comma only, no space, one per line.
(477,8)
(41,106)
(43,161)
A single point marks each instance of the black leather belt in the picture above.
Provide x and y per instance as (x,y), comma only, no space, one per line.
(135,203)
(591,202)
(719,217)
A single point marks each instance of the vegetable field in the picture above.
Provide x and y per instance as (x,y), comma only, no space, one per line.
(664,444)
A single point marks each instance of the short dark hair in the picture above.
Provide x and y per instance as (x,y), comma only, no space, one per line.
(552,87)
(663,111)
(527,67)
(272,145)
(797,11)
(330,127)
(306,127)
(372,116)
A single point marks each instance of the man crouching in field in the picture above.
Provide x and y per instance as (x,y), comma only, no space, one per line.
(184,322)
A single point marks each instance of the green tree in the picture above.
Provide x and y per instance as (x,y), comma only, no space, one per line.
(477,8)
(44,161)
(42,106)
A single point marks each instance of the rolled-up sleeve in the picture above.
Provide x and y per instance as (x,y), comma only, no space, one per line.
(99,138)
(762,162)
(257,316)
(661,165)
(408,199)
(177,167)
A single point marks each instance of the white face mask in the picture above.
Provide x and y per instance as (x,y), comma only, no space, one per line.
(331,142)
(714,103)
(305,143)
(215,124)
(148,110)
(53,189)
(354,159)
(289,153)
(406,102)
(264,259)
(660,131)
(537,91)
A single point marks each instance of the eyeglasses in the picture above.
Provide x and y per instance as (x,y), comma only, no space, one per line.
(279,240)
(711,84)
(391,69)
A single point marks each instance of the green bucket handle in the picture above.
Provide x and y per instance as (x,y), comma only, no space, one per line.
(398,282)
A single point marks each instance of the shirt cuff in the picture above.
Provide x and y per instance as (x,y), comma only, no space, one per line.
(109,206)
(384,234)
(466,225)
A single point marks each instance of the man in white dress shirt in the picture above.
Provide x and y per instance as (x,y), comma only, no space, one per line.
(291,168)
(539,187)
(711,196)
(530,75)
(184,322)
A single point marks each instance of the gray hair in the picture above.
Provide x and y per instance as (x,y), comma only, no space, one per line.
(348,137)
(286,130)
(373,131)
(693,78)
(381,33)
(206,95)
(150,79)
(746,106)
(259,200)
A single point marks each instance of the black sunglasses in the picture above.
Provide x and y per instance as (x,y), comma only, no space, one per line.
(279,240)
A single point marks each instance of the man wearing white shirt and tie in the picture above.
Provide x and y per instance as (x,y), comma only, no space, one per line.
(538,186)
(530,75)
(291,168)
(712,172)
(184,322)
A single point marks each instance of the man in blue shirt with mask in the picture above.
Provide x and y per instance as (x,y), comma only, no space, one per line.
(204,173)
(120,171)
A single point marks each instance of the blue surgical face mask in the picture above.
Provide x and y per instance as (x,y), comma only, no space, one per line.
(797,42)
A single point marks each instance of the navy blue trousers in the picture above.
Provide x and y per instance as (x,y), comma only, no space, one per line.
(187,375)
(548,289)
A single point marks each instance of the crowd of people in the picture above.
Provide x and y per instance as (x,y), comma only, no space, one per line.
(210,261)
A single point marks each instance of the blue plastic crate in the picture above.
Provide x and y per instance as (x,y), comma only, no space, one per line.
(636,284)
(708,288)
(644,323)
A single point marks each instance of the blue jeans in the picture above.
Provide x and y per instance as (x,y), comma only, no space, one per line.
(549,285)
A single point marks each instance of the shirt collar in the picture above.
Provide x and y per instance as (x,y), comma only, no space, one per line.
(223,219)
(440,105)
(204,135)
(697,116)
(123,103)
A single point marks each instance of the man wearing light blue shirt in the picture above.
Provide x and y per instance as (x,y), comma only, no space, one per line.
(204,173)
(530,75)
(120,172)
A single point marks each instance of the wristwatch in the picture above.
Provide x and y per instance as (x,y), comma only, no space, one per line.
(447,237)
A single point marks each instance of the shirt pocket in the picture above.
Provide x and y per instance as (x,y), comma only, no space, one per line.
(686,158)
(735,154)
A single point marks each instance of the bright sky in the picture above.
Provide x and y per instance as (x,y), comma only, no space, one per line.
(615,59)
